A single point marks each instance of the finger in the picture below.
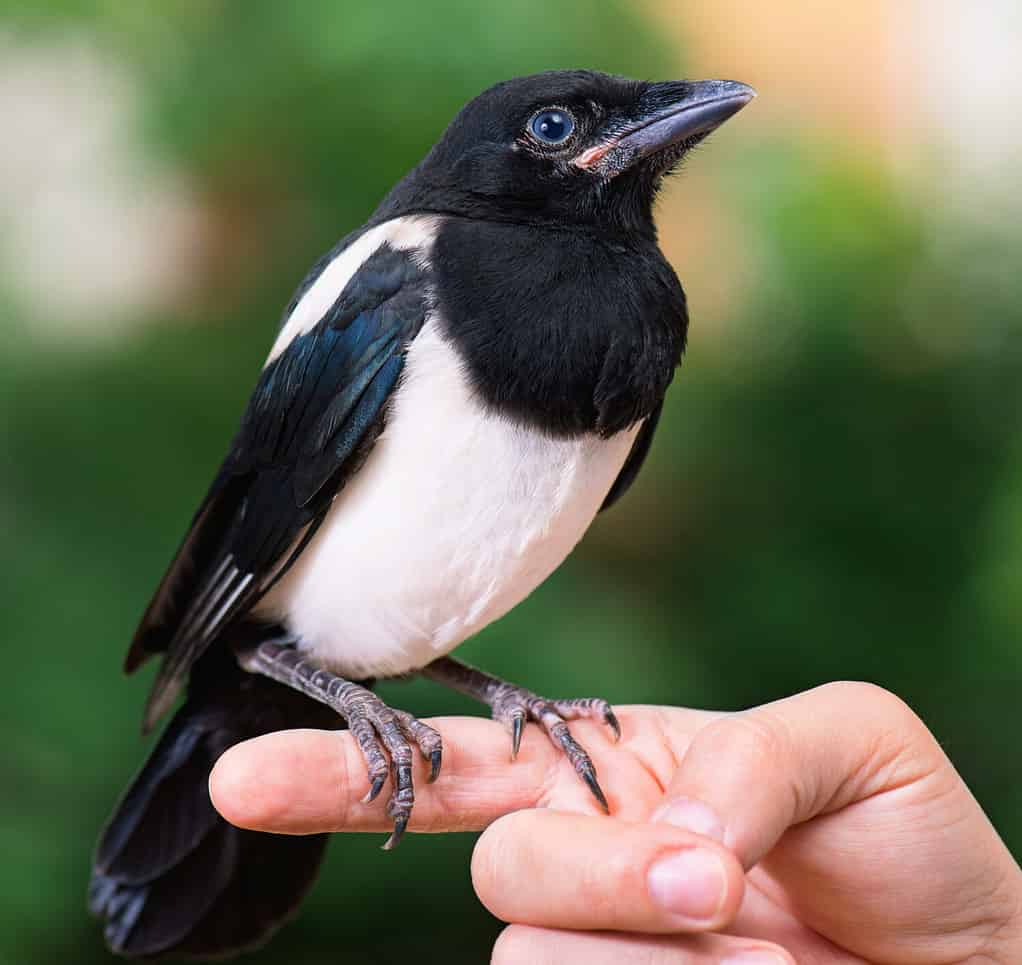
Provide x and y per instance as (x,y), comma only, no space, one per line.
(746,778)
(306,781)
(577,871)
(766,914)
(544,946)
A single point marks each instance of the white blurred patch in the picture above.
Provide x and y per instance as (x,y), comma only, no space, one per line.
(972,83)
(972,99)
(92,238)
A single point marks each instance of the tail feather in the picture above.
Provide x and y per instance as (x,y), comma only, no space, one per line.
(165,813)
(170,875)
(154,917)
(273,875)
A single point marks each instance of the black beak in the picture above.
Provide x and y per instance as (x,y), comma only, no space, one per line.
(704,106)
(674,116)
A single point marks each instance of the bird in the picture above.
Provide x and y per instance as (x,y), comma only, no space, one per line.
(456,390)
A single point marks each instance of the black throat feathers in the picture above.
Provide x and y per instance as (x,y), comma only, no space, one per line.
(566,331)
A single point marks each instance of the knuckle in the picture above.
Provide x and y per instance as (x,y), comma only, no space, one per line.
(746,738)
(877,702)
(759,745)
(613,885)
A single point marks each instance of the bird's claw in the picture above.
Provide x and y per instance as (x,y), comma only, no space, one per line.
(434,765)
(610,719)
(386,738)
(588,774)
(517,726)
(395,836)
(374,790)
(516,706)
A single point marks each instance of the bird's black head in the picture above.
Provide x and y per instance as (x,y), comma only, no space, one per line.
(567,147)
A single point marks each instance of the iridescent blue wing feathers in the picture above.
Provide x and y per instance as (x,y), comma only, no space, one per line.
(316,411)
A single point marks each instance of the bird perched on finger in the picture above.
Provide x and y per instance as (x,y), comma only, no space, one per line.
(455,392)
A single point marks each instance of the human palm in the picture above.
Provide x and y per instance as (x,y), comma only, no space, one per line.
(825,828)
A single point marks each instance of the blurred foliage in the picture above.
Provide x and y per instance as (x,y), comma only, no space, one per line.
(836,489)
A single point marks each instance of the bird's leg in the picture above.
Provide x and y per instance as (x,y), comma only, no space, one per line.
(372,723)
(513,706)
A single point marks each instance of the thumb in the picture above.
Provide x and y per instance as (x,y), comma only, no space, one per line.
(746,778)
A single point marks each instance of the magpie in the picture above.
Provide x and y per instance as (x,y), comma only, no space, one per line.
(456,390)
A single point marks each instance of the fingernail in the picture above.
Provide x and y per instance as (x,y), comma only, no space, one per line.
(754,956)
(691,815)
(689,883)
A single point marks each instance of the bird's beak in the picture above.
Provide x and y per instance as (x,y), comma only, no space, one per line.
(673,114)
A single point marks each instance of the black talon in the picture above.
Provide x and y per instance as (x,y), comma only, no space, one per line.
(516,705)
(380,731)
(395,836)
(517,726)
(434,765)
(374,791)
(589,776)
(610,719)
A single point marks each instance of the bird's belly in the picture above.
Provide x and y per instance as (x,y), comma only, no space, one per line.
(456,516)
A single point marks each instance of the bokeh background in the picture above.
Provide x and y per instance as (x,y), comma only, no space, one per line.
(836,489)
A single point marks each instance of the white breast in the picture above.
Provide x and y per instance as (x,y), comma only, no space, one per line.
(455,517)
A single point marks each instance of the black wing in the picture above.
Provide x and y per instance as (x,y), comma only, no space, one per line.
(636,457)
(314,415)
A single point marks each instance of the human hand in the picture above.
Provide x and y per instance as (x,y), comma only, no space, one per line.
(825,828)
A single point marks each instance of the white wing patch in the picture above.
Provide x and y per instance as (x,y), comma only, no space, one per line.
(404,234)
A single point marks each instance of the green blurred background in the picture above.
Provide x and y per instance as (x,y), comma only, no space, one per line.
(836,489)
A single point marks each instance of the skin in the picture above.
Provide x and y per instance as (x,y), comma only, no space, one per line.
(828,827)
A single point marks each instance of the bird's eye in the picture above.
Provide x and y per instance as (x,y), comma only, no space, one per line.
(552,126)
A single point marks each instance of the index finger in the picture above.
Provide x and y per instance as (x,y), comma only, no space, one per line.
(310,781)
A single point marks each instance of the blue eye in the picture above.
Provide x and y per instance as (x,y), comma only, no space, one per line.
(552,127)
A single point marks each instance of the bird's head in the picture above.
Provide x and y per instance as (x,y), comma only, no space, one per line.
(572,147)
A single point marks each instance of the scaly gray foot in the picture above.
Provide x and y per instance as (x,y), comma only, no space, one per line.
(385,736)
(513,706)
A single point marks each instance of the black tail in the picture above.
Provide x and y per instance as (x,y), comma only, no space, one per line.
(171,877)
